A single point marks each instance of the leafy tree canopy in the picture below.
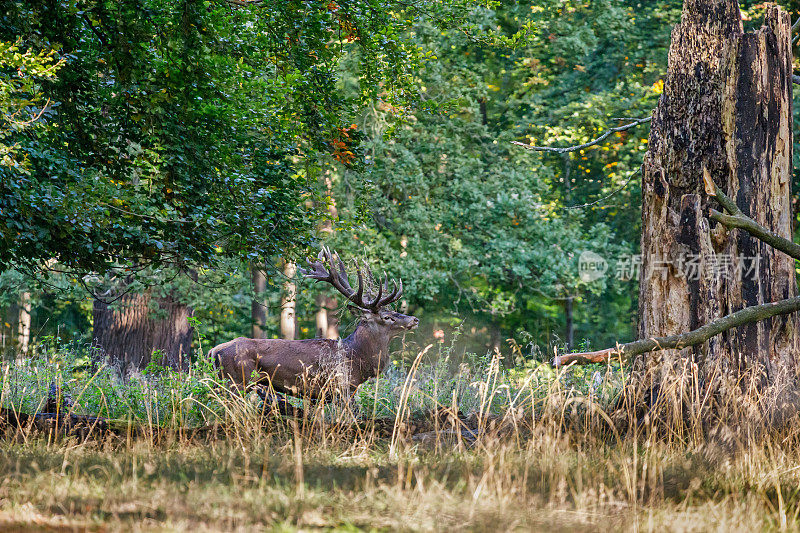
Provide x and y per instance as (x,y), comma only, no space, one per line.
(179,133)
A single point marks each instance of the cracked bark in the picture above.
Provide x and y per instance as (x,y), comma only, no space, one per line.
(131,328)
(726,112)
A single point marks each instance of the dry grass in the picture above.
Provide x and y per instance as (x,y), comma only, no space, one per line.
(556,460)
(548,481)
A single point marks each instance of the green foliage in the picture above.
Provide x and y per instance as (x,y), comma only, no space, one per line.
(21,105)
(199,136)
(158,395)
(186,132)
(480,229)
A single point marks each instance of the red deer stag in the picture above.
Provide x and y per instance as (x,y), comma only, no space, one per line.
(308,367)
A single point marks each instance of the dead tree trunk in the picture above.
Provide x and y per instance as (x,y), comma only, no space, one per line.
(726,113)
(131,328)
(258,309)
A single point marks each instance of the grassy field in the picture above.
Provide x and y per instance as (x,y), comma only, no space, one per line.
(550,454)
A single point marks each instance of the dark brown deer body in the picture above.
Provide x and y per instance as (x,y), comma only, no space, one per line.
(312,367)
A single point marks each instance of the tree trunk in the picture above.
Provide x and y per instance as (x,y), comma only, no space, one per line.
(333,320)
(726,112)
(403,307)
(8,329)
(570,328)
(495,342)
(288,302)
(24,324)
(322,316)
(258,309)
(130,329)
(327,323)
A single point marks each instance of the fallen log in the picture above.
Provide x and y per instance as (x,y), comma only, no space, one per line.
(86,426)
(62,423)
(49,421)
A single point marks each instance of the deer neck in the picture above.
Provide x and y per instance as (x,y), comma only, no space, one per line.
(370,348)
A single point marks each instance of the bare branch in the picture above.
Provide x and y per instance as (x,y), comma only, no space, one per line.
(700,335)
(598,140)
(737,219)
(30,121)
(756,230)
(609,195)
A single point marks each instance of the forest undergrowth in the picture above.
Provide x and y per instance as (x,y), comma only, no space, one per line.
(433,445)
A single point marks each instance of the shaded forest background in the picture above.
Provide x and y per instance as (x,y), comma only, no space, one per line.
(185,155)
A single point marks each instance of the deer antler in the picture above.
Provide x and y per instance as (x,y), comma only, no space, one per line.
(336,275)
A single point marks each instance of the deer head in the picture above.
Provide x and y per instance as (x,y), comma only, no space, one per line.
(371,307)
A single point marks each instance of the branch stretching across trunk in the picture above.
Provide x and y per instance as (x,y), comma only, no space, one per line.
(756,230)
(685,340)
(737,219)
